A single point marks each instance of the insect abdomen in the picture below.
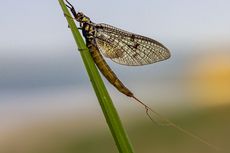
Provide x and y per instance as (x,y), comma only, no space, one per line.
(107,71)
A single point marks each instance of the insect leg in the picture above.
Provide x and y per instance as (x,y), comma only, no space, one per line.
(68,16)
(70,6)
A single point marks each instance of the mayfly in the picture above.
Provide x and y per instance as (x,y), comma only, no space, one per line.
(123,48)
(120,46)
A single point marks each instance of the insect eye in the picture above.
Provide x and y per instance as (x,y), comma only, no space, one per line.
(78,17)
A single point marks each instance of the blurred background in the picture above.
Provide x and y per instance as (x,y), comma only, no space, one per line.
(46,100)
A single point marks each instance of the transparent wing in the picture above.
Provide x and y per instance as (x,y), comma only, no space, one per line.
(127,48)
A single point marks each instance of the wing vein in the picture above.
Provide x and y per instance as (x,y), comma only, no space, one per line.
(127,48)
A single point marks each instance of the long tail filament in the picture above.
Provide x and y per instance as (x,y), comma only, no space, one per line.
(170,123)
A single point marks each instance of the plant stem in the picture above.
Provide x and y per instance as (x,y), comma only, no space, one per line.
(110,113)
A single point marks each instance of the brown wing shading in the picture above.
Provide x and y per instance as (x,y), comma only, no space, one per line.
(108,50)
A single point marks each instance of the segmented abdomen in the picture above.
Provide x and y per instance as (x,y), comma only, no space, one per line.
(106,70)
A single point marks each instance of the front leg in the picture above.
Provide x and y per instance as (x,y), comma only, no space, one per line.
(67,16)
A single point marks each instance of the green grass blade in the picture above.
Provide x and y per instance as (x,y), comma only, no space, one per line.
(104,99)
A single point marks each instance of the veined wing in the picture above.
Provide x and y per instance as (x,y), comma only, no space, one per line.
(127,48)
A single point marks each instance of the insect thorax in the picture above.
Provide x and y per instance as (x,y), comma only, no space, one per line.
(88,27)
(88,31)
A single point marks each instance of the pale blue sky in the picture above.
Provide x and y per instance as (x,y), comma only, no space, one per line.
(40,24)
(37,48)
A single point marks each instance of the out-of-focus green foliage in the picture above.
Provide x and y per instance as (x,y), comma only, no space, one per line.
(211,124)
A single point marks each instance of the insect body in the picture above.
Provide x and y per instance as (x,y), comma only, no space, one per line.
(89,32)
(120,46)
